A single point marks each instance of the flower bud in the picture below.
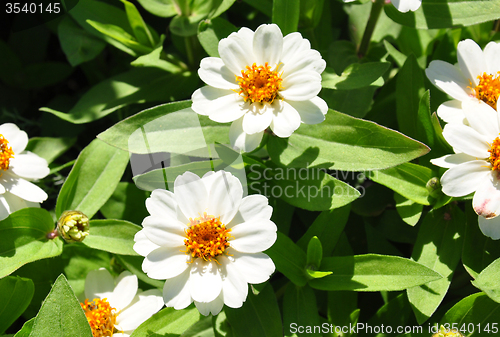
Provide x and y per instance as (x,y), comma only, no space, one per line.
(73,226)
(443,332)
(433,187)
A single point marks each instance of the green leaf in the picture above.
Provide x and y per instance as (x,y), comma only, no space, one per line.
(79,45)
(139,85)
(487,281)
(447,13)
(355,102)
(154,59)
(41,75)
(61,314)
(210,32)
(372,272)
(49,148)
(127,203)
(167,322)
(161,8)
(425,130)
(259,315)
(224,6)
(23,239)
(441,232)
(15,296)
(409,89)
(141,31)
(299,309)
(314,253)
(346,143)
(26,329)
(394,313)
(286,15)
(408,210)
(355,76)
(185,26)
(407,179)
(289,259)
(93,178)
(114,236)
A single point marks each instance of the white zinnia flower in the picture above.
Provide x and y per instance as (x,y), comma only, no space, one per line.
(261,79)
(117,307)
(402,5)
(476,77)
(16,168)
(475,167)
(206,240)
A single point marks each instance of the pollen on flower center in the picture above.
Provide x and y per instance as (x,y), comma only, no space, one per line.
(494,151)
(101,317)
(488,89)
(259,83)
(206,237)
(6,153)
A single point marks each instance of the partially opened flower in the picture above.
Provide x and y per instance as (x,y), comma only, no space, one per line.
(17,167)
(117,307)
(402,5)
(261,80)
(475,167)
(476,77)
(206,240)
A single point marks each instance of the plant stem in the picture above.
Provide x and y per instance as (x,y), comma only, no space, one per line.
(190,52)
(370,26)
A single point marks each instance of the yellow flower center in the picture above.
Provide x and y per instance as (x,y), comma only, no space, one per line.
(6,153)
(101,317)
(488,89)
(206,237)
(259,84)
(494,151)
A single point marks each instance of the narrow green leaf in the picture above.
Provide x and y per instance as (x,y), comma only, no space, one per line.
(372,272)
(49,148)
(398,56)
(299,309)
(425,130)
(344,143)
(210,32)
(487,281)
(259,315)
(409,210)
(94,177)
(314,253)
(127,203)
(407,179)
(41,75)
(286,15)
(395,313)
(154,59)
(355,76)
(15,296)
(161,8)
(26,329)
(61,314)
(23,239)
(289,259)
(141,31)
(167,322)
(120,35)
(224,6)
(114,236)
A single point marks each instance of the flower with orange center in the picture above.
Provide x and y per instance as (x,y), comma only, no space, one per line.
(17,168)
(261,80)
(206,240)
(117,307)
(475,77)
(475,167)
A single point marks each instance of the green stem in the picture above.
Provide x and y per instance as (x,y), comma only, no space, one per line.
(190,53)
(370,27)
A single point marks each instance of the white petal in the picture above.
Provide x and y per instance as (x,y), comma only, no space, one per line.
(465,178)
(164,233)
(241,140)
(490,227)
(153,293)
(293,45)
(218,104)
(213,307)
(252,207)
(301,86)
(162,203)
(214,73)
(452,160)
(466,139)
(481,117)
(309,60)
(471,60)
(190,194)
(205,283)
(4,208)
(225,193)
(99,284)
(258,118)
(29,165)
(255,268)
(22,188)
(268,45)
(491,56)
(143,246)
(253,236)
(285,120)
(10,203)
(236,51)
(125,290)
(449,79)
(486,200)
(234,286)
(165,263)
(17,138)
(451,112)
(406,5)
(137,313)
(311,111)
(176,291)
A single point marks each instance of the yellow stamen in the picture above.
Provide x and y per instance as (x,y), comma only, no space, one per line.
(494,151)
(259,83)
(206,237)
(488,89)
(101,317)
(6,153)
